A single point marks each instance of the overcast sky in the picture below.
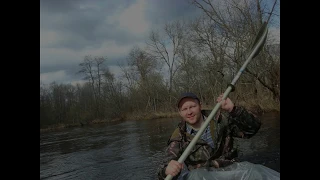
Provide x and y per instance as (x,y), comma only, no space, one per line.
(71,29)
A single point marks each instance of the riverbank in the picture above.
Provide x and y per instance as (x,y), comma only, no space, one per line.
(136,116)
(141,116)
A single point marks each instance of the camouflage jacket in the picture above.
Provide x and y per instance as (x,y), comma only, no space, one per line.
(238,123)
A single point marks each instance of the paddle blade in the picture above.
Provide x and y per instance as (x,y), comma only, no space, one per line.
(260,34)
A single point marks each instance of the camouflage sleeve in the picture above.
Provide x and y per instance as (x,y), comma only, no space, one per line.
(242,123)
(172,152)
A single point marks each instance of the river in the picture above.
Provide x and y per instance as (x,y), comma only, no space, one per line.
(134,149)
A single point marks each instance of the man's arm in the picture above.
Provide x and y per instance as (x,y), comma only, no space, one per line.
(242,123)
(173,152)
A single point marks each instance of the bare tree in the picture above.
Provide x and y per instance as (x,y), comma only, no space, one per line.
(92,68)
(236,23)
(211,44)
(143,69)
(166,47)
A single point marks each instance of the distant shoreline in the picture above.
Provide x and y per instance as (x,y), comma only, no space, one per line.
(135,117)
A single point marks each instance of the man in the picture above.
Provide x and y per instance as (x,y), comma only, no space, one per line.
(215,147)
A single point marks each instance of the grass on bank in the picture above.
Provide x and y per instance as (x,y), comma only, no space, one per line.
(258,108)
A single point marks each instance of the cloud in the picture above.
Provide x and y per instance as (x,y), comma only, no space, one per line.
(87,24)
(72,29)
(117,71)
(59,77)
(110,49)
(48,38)
(132,19)
(50,57)
(47,78)
(53,59)
(80,82)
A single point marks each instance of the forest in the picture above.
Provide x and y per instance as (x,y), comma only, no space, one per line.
(201,55)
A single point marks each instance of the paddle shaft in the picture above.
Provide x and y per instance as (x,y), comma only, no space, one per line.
(225,94)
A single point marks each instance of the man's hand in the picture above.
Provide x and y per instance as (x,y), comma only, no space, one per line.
(226,104)
(173,168)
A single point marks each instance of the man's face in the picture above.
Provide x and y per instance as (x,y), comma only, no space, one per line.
(190,110)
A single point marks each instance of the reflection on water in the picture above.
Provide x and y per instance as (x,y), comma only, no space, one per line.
(127,150)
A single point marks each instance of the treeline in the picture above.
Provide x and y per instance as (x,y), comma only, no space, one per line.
(200,55)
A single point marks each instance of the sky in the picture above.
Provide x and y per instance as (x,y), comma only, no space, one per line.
(72,29)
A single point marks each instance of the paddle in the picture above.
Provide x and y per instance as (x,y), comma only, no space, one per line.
(255,49)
